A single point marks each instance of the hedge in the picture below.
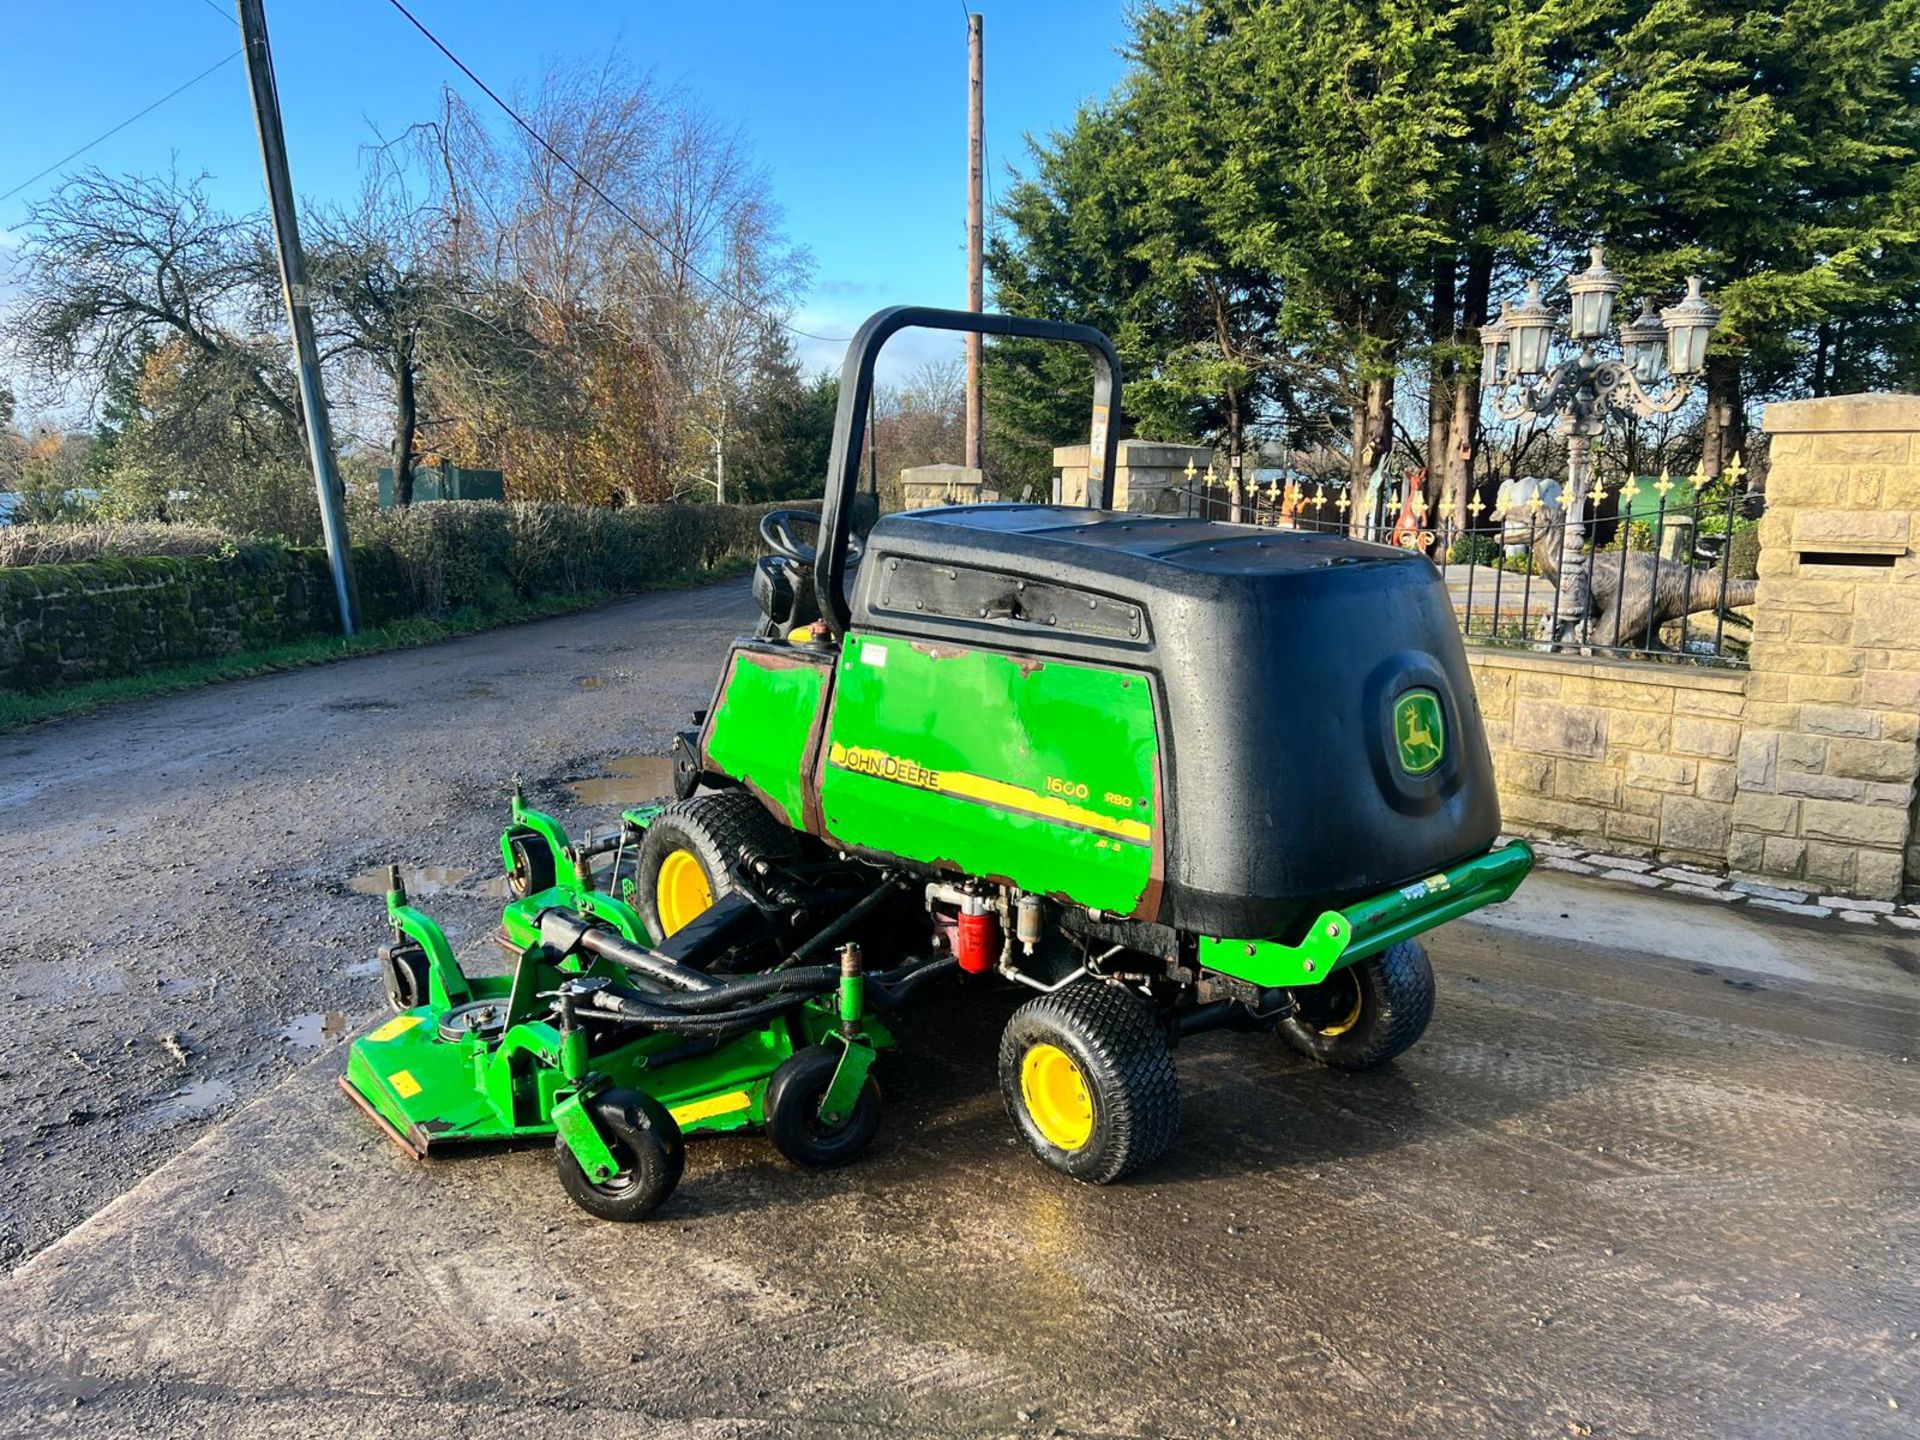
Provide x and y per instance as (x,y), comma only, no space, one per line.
(122,615)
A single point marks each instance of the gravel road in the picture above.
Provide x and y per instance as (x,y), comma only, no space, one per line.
(182,921)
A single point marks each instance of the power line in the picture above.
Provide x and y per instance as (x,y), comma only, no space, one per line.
(109,134)
(607,199)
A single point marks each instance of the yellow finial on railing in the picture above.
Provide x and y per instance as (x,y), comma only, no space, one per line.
(1734,470)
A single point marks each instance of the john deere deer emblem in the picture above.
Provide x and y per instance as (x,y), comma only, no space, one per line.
(1419,731)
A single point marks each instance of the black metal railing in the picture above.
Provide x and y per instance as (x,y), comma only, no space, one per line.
(1670,565)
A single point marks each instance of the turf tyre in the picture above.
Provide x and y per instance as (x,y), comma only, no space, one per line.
(1394,990)
(723,830)
(1120,1050)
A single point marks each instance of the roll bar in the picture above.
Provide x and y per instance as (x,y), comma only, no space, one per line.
(856,397)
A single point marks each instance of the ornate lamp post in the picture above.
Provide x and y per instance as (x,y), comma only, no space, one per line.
(1583,390)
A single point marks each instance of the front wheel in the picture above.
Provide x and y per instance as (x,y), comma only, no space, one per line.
(1365,1014)
(1089,1081)
(646,1145)
(795,1124)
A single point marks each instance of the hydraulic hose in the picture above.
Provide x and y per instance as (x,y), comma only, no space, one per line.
(893,987)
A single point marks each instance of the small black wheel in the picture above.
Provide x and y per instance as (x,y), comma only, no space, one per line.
(1087,1077)
(1362,1016)
(646,1143)
(690,853)
(404,964)
(532,870)
(794,1122)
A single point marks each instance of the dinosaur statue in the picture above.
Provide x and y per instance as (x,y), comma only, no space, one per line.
(1635,606)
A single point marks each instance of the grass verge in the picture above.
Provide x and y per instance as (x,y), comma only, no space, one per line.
(31,708)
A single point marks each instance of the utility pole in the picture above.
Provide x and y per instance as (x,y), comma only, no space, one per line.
(293,285)
(976,171)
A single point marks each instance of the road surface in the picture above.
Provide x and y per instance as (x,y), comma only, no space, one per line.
(1653,1171)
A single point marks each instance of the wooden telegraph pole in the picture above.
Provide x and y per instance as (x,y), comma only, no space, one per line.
(293,284)
(976,171)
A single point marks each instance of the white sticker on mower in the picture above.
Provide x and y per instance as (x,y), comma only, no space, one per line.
(1420,889)
(872,654)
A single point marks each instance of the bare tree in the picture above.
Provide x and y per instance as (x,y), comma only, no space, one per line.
(112,262)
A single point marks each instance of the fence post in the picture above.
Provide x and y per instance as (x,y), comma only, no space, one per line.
(1831,747)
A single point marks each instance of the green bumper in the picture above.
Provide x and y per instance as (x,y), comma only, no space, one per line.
(1340,937)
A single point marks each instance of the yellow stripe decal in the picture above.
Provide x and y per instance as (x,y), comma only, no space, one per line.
(399,1025)
(403,1083)
(857,760)
(713,1105)
(1049,807)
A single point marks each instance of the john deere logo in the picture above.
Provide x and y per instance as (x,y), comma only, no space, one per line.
(1419,731)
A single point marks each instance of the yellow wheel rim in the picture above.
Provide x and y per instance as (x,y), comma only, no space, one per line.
(1056,1096)
(682,890)
(1347,1021)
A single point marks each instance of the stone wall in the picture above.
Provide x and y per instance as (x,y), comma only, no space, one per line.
(922,486)
(1633,758)
(1146,475)
(1831,746)
(63,624)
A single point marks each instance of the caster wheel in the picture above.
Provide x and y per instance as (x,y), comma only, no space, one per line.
(794,1123)
(1364,1015)
(404,965)
(647,1145)
(1089,1081)
(532,869)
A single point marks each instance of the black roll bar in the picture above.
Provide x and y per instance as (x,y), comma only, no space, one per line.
(856,397)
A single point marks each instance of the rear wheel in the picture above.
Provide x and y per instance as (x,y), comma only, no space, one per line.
(1365,1014)
(1088,1079)
(689,855)
(646,1145)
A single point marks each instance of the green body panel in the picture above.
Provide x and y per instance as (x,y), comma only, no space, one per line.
(1042,774)
(1341,937)
(763,725)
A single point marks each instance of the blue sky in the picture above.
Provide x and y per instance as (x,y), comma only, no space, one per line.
(858,110)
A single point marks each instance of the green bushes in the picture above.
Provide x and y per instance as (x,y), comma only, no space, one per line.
(117,615)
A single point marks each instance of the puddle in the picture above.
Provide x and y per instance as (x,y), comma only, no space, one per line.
(421,880)
(192,1101)
(316,1027)
(631,780)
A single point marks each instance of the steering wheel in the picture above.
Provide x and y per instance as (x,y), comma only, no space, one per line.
(776,532)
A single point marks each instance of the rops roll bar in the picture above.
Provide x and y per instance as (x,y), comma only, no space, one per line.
(856,396)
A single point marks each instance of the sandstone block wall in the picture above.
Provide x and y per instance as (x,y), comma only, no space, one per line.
(1635,758)
(1831,748)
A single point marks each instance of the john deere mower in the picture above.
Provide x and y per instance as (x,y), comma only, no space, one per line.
(1168,774)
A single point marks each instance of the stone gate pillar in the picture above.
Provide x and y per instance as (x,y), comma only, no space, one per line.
(1831,745)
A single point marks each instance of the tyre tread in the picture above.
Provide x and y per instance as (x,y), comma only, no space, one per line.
(1123,1035)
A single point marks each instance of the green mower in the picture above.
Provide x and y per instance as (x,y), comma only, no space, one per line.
(1170,775)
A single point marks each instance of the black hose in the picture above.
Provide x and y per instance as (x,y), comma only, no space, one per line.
(814,980)
(632,1008)
(894,986)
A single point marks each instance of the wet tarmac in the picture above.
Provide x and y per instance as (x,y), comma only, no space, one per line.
(1613,1192)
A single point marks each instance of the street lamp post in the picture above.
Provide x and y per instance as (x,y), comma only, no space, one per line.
(1583,391)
